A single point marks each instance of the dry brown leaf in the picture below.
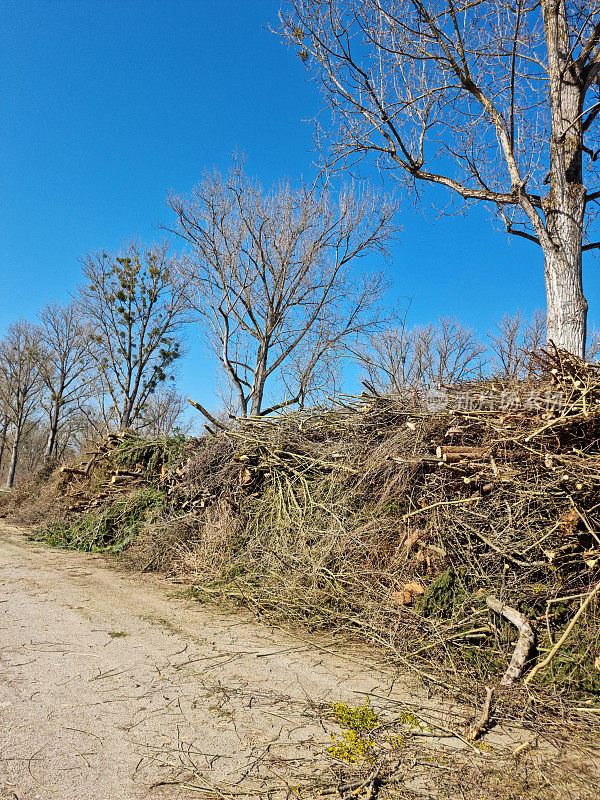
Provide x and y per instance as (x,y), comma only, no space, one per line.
(407,594)
(245,476)
(414,588)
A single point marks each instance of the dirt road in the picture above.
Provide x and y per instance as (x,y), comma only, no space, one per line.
(114,688)
(109,684)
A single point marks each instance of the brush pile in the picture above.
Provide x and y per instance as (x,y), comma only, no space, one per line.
(392,519)
(121,463)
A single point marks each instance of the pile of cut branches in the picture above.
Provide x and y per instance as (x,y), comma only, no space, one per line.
(410,522)
(394,522)
(119,464)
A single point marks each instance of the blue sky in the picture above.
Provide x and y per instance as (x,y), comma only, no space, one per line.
(108,104)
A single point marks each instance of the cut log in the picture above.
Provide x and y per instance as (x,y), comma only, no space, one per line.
(124,480)
(453,453)
(126,473)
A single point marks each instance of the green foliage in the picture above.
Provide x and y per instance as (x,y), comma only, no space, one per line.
(357,718)
(112,529)
(151,455)
(352,748)
(442,595)
(576,665)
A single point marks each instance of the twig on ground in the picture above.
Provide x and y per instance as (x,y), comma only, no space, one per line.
(479,725)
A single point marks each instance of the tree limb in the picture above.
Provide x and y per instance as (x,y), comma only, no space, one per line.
(565,635)
(207,414)
(524,644)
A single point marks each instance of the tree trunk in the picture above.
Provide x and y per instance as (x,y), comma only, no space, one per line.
(258,384)
(564,207)
(51,442)
(3,439)
(258,391)
(126,415)
(257,399)
(566,316)
(13,460)
(48,450)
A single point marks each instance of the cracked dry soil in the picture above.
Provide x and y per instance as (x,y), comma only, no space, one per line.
(113,687)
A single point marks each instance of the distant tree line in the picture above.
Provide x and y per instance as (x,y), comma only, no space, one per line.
(101,361)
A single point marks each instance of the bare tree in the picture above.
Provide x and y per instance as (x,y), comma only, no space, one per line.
(439,354)
(496,101)
(164,415)
(31,447)
(65,370)
(136,303)
(75,432)
(86,426)
(512,341)
(21,357)
(272,284)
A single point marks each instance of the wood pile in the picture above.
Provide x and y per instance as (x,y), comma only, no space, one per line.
(122,463)
(96,480)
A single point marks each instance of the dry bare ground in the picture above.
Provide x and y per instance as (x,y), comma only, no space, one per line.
(113,686)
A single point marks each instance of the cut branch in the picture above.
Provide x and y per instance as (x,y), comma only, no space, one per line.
(524,644)
(480,724)
(207,414)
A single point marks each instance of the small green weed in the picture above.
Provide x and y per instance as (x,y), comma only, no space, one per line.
(407,718)
(352,748)
(397,742)
(352,745)
(356,718)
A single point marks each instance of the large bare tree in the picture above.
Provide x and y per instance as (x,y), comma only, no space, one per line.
(4,418)
(495,100)
(271,281)
(135,301)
